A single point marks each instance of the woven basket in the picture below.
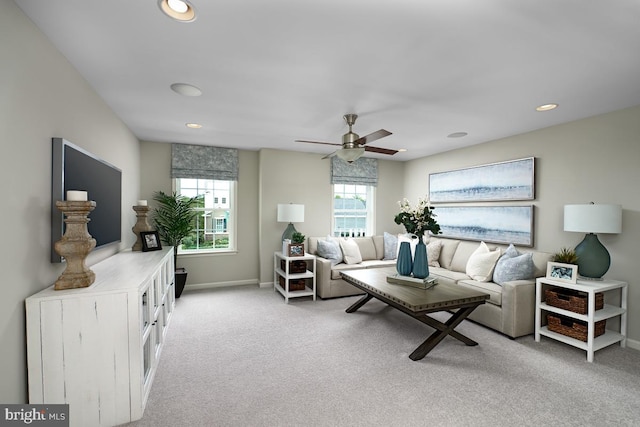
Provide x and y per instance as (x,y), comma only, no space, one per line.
(568,299)
(297,266)
(573,328)
(294,284)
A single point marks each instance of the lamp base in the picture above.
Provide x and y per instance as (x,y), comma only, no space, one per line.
(593,258)
(288,232)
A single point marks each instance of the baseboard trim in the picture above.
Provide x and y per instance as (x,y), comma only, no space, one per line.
(633,344)
(266,285)
(199,286)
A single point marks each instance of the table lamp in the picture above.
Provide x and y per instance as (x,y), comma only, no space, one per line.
(593,258)
(290,213)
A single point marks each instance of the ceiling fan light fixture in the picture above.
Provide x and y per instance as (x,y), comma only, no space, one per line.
(350,155)
(180,10)
(193,125)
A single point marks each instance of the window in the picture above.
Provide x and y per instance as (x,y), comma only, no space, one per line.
(353,210)
(215,229)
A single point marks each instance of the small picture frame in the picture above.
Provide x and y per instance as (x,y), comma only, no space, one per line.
(295,249)
(150,241)
(567,273)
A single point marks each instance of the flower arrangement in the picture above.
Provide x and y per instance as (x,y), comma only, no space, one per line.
(417,220)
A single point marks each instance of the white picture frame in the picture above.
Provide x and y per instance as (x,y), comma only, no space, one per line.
(561,272)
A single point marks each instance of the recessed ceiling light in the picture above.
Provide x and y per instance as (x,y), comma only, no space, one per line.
(546,107)
(186,89)
(180,10)
(193,125)
(402,150)
(457,135)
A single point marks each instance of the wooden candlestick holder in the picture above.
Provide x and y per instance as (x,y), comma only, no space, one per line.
(141,225)
(75,245)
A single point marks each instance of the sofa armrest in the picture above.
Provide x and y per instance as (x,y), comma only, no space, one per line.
(323,275)
(518,307)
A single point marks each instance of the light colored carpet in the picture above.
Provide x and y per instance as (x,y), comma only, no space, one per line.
(242,357)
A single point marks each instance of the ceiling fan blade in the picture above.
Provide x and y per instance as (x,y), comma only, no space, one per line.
(380,150)
(330,155)
(317,142)
(372,136)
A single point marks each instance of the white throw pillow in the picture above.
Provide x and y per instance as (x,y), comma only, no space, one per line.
(433,253)
(482,262)
(350,251)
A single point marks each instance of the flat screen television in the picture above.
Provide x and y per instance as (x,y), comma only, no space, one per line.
(76,169)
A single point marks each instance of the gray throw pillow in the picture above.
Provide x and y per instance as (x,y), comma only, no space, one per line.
(390,246)
(330,249)
(513,266)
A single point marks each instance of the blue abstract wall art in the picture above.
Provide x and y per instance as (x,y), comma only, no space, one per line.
(511,180)
(495,224)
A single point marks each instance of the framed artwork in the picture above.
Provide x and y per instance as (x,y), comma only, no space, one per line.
(295,249)
(495,224)
(562,272)
(150,241)
(511,180)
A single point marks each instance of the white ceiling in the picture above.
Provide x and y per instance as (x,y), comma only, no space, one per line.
(275,71)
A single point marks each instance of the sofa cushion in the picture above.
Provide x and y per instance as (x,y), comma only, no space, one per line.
(330,249)
(464,250)
(350,251)
(494,291)
(378,242)
(513,266)
(336,269)
(447,276)
(433,253)
(482,262)
(366,248)
(390,246)
(447,250)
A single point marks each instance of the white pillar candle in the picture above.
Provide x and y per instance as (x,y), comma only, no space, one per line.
(76,196)
(142,203)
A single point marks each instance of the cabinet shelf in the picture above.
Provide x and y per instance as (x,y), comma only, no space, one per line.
(609,311)
(308,276)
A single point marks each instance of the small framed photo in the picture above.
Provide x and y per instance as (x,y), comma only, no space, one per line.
(295,249)
(562,272)
(150,241)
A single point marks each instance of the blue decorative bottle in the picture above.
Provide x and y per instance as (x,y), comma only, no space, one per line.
(404,263)
(420,262)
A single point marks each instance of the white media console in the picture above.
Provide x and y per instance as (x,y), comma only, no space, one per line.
(97,348)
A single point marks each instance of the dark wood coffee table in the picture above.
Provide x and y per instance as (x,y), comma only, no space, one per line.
(417,303)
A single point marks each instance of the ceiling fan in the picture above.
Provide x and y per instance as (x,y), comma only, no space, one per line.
(353,146)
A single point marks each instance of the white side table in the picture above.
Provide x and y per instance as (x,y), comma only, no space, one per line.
(309,276)
(592,344)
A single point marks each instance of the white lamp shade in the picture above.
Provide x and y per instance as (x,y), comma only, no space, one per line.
(593,218)
(290,213)
(350,154)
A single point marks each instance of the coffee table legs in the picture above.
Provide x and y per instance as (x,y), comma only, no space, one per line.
(442,330)
(362,301)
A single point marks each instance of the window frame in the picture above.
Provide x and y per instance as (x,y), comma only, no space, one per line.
(231,220)
(370,192)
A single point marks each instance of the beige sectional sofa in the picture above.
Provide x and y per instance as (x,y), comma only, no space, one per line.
(509,310)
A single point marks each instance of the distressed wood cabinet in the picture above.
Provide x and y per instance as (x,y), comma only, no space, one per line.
(97,348)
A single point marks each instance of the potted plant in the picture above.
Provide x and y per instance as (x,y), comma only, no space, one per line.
(174,219)
(565,256)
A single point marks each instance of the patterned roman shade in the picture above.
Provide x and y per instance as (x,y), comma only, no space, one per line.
(363,171)
(203,161)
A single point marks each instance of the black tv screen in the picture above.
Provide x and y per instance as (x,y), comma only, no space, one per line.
(76,169)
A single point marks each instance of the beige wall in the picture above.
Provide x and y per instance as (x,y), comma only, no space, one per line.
(211,269)
(293,177)
(42,96)
(595,159)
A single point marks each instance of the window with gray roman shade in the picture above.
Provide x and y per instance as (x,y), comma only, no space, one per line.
(363,171)
(204,162)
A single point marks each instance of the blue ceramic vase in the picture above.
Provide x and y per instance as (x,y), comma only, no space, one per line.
(420,262)
(404,263)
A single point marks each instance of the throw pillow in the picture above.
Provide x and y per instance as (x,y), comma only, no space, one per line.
(433,253)
(350,251)
(390,246)
(482,262)
(513,266)
(330,249)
